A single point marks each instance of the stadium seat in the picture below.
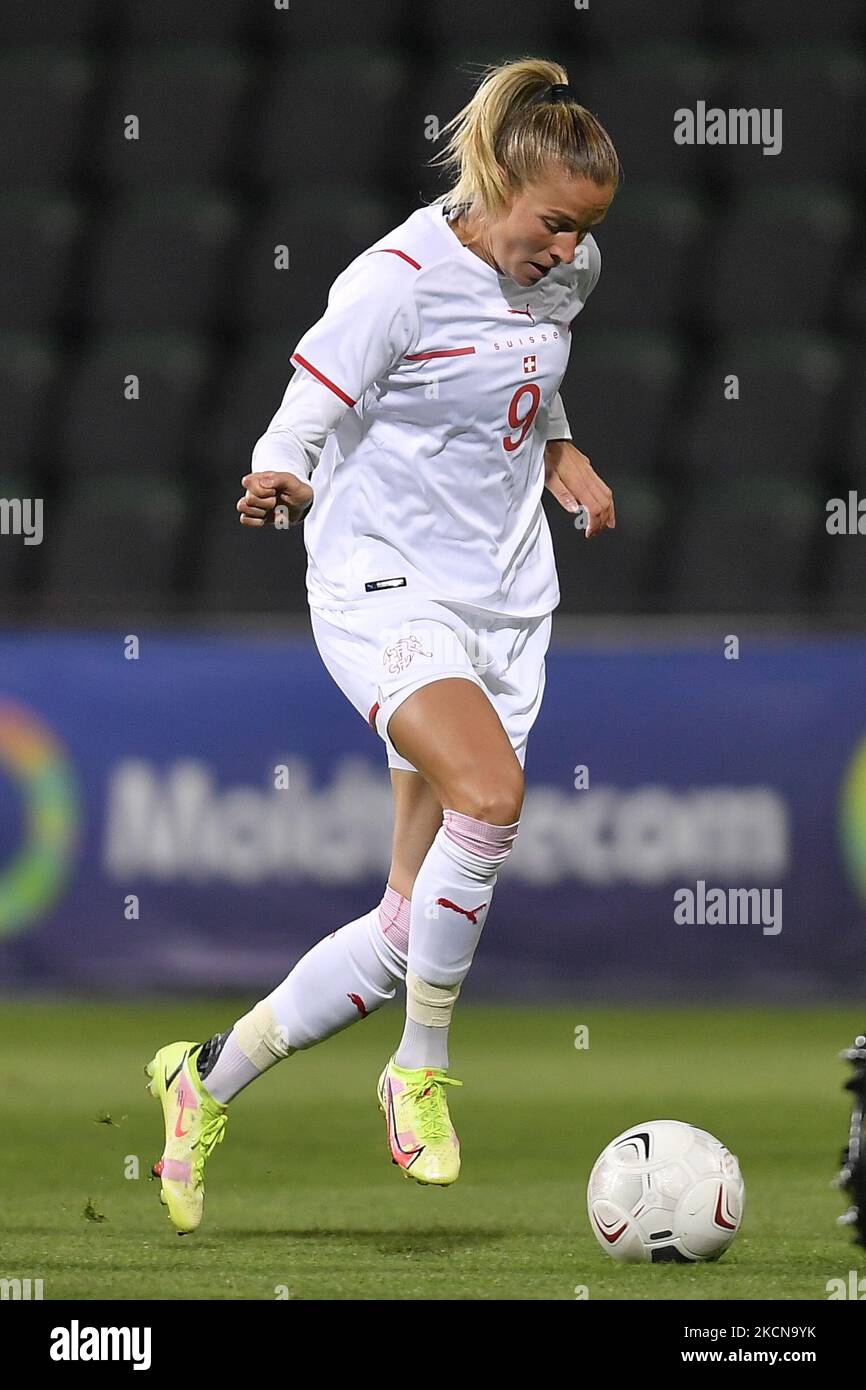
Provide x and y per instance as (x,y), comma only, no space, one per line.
(614,572)
(332,115)
(650,243)
(505,35)
(744,545)
(843,594)
(627,21)
(245,396)
(52,20)
(29,368)
(40,235)
(843,557)
(635,91)
(308,25)
(193,21)
(788,382)
(774,21)
(853,411)
(116,546)
(52,86)
(819,88)
(100,430)
(797,239)
(852,300)
(243,569)
(323,230)
(161,263)
(608,370)
(311,127)
(16,558)
(190,104)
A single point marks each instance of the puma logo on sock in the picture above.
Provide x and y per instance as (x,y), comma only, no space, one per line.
(466,911)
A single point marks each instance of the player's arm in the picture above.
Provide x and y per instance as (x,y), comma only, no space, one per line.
(574,483)
(569,476)
(370,323)
(285,456)
(568,473)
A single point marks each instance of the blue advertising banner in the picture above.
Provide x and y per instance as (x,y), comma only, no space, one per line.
(197,811)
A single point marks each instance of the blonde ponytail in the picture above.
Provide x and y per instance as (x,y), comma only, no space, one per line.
(507,136)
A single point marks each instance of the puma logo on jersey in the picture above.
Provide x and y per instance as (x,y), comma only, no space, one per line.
(398,656)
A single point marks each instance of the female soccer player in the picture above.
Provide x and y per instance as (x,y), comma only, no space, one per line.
(426,400)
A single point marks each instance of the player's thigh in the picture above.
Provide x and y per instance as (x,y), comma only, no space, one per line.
(450,731)
(417,817)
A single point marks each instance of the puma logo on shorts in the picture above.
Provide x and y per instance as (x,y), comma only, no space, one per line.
(385,584)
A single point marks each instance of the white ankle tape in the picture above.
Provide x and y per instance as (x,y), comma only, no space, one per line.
(261,1038)
(429,1004)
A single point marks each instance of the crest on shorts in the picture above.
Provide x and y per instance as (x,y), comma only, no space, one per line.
(397,657)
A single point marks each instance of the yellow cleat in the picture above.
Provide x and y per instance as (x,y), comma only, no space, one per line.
(194,1125)
(421,1136)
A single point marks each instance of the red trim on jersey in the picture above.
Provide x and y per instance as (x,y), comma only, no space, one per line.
(442,352)
(371,717)
(308,366)
(392,251)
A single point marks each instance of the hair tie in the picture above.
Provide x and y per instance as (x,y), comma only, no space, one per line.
(557,92)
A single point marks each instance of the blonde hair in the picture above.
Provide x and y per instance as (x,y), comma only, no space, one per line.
(505,124)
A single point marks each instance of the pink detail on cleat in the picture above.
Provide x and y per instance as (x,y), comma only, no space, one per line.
(404,1157)
(173,1170)
(187,1100)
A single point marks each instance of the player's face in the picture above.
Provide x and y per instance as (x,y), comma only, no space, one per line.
(544,225)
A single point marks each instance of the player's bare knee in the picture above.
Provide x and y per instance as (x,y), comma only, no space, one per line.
(496,801)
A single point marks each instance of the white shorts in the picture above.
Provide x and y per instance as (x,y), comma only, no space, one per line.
(379,655)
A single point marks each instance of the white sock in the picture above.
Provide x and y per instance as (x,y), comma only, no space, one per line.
(423,1046)
(343,978)
(450,901)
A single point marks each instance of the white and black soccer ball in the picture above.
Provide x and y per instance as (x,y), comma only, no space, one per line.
(665,1191)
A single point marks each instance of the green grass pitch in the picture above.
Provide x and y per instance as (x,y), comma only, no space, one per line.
(303,1201)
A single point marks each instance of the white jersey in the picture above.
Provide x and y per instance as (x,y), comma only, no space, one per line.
(423,399)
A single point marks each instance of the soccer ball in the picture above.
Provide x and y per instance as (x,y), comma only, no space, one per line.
(665,1191)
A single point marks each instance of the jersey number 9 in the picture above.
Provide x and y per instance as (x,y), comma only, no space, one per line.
(522,423)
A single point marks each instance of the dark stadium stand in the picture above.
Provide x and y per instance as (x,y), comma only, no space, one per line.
(310,128)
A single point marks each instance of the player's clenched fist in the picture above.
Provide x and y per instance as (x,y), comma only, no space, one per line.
(267,491)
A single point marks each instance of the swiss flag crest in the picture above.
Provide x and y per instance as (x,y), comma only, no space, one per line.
(529,364)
